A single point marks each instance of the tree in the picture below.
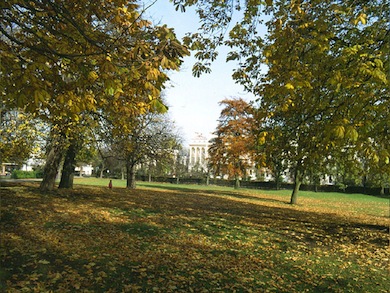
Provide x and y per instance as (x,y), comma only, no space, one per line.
(326,70)
(379,176)
(181,163)
(63,59)
(231,150)
(69,165)
(149,138)
(374,150)
(171,163)
(323,93)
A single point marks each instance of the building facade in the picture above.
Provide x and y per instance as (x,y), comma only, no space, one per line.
(199,146)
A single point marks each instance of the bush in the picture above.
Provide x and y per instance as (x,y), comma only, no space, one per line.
(38,174)
(20,174)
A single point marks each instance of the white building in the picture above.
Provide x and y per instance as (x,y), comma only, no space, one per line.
(199,147)
(84,170)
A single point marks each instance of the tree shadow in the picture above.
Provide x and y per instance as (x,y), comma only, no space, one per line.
(221,193)
(192,227)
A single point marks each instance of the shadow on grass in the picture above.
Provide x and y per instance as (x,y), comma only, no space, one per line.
(172,240)
(221,193)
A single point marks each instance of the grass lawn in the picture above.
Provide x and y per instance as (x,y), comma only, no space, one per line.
(189,238)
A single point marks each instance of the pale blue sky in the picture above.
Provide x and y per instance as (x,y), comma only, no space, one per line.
(194,101)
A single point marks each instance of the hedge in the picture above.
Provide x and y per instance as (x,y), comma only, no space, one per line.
(20,174)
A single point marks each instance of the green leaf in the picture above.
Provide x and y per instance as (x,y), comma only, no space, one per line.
(157,106)
(351,133)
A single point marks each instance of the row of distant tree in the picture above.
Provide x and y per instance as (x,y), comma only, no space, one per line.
(239,144)
(153,147)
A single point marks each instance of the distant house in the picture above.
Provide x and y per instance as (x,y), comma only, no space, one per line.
(84,170)
(7,168)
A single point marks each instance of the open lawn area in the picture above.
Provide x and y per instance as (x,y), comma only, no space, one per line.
(177,238)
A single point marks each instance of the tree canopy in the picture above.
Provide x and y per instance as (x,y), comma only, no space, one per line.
(19,135)
(319,74)
(231,150)
(150,138)
(67,61)
(62,58)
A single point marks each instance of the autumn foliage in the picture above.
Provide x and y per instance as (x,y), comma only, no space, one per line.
(175,239)
(70,63)
(319,71)
(232,149)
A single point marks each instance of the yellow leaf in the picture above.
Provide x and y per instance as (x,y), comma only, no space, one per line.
(339,131)
(92,75)
(164,62)
(289,86)
(262,140)
(263,134)
(363,18)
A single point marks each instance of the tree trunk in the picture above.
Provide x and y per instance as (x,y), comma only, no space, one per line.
(130,183)
(278,170)
(53,161)
(123,173)
(278,181)
(297,185)
(149,173)
(237,183)
(101,171)
(69,167)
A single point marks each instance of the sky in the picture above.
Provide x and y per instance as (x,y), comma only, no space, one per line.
(194,102)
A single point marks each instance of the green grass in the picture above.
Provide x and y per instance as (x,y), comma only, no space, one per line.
(180,238)
(325,201)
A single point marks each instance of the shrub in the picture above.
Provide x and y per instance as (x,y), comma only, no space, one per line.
(20,174)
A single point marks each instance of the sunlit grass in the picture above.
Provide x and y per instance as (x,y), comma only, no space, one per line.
(176,238)
(358,204)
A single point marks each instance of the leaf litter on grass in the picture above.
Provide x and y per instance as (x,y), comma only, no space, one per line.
(144,240)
